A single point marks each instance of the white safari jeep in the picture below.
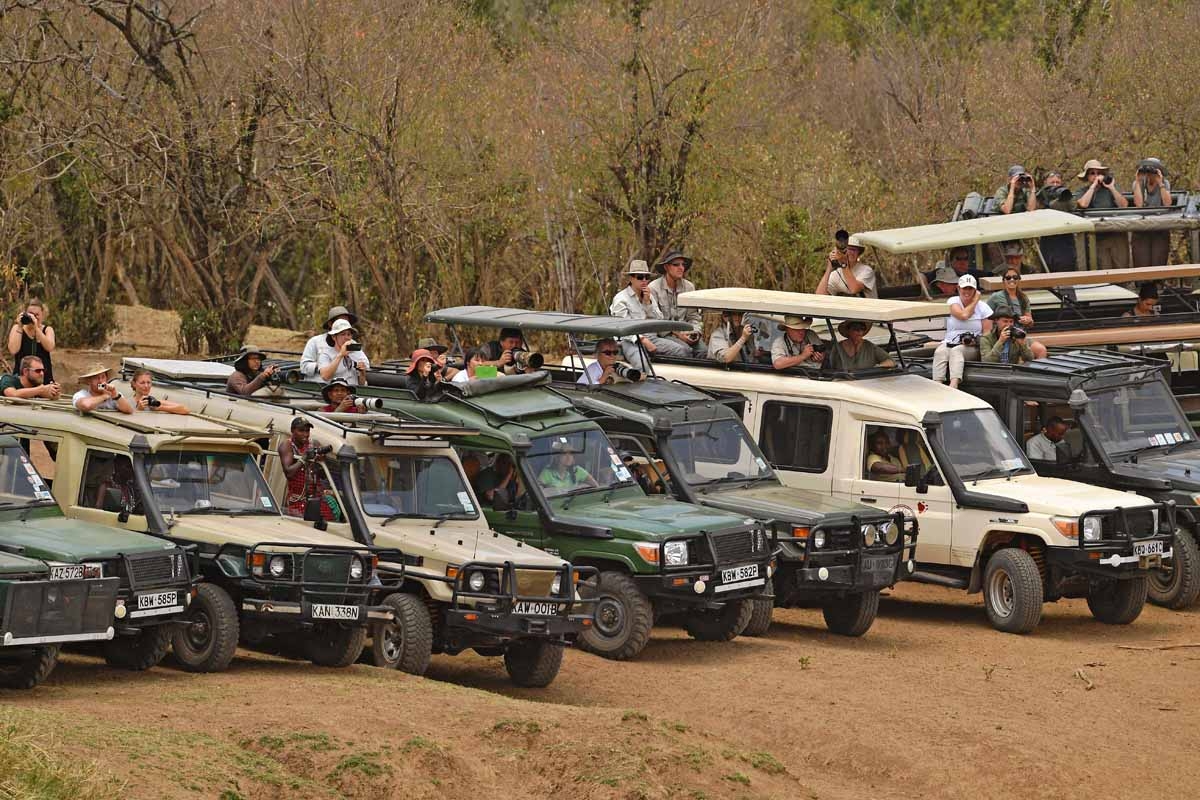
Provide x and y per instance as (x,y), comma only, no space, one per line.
(988,521)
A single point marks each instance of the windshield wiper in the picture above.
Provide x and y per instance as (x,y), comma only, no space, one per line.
(748,482)
(29,507)
(571,495)
(232,512)
(618,485)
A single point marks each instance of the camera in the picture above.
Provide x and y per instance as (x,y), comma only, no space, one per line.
(317,452)
(754,331)
(153,401)
(1146,169)
(820,347)
(968,340)
(1025,179)
(368,403)
(26,318)
(353,347)
(1052,194)
(627,372)
(1107,180)
(1017,332)
(103,387)
(527,360)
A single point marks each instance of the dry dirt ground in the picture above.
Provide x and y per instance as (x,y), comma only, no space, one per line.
(930,703)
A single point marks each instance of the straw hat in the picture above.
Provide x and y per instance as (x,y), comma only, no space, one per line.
(93,371)
(844,326)
(1091,164)
(794,322)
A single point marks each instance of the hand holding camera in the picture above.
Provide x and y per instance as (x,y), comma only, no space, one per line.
(26,318)
(748,332)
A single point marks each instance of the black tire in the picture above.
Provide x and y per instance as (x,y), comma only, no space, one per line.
(1177,584)
(1012,591)
(140,652)
(760,614)
(29,672)
(723,625)
(335,645)
(853,614)
(1117,602)
(208,639)
(623,619)
(533,663)
(406,643)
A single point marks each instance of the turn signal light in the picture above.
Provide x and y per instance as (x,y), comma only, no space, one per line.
(256,560)
(800,533)
(451,572)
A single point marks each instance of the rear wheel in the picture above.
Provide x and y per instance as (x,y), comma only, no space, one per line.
(1116,602)
(624,616)
(722,625)
(29,671)
(208,639)
(533,663)
(1012,591)
(1176,584)
(333,645)
(141,651)
(405,643)
(853,614)
(760,616)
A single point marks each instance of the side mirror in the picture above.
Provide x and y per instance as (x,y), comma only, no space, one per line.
(912,475)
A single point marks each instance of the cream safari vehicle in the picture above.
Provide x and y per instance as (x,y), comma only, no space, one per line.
(988,522)
(401,484)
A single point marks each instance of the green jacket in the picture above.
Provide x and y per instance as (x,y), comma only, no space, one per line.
(1021,203)
(991,349)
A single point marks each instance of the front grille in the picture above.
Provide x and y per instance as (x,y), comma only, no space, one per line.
(842,539)
(42,608)
(1141,523)
(152,569)
(739,545)
(327,568)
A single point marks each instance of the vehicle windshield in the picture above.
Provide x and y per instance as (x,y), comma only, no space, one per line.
(423,487)
(1136,417)
(187,481)
(980,446)
(717,451)
(20,483)
(579,461)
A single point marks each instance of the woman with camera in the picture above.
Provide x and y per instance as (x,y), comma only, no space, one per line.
(607,368)
(249,374)
(855,352)
(142,384)
(30,336)
(733,340)
(1016,300)
(342,356)
(964,326)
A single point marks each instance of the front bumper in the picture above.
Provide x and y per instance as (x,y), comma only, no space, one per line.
(54,612)
(156,587)
(502,611)
(737,565)
(849,565)
(1128,549)
(308,612)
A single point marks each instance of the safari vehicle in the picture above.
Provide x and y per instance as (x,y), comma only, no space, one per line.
(654,555)
(273,582)
(1128,432)
(988,522)
(152,576)
(40,613)
(687,444)
(400,484)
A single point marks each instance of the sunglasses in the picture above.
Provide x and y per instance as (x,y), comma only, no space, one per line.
(641,276)
(36,371)
(607,352)
(962,258)
(1012,277)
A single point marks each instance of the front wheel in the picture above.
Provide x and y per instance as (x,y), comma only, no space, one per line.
(29,671)
(722,625)
(1176,584)
(1116,602)
(139,652)
(853,614)
(405,643)
(1012,591)
(623,617)
(334,645)
(760,615)
(208,637)
(533,663)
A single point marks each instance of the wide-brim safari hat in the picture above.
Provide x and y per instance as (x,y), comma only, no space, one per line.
(340,311)
(247,350)
(93,371)
(637,266)
(327,388)
(945,274)
(671,255)
(1093,163)
(341,326)
(431,344)
(794,322)
(1012,249)
(845,324)
(418,356)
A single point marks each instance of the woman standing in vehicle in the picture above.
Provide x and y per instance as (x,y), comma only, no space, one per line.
(964,326)
(30,336)
(1016,301)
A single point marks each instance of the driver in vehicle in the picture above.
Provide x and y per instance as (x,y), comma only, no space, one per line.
(882,465)
(118,492)
(1046,445)
(500,486)
(562,472)
(301,461)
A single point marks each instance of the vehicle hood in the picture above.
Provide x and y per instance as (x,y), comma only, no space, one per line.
(11,564)
(1055,496)
(789,505)
(252,530)
(72,541)
(1181,468)
(648,517)
(457,544)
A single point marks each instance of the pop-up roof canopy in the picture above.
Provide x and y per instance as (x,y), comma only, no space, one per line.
(578,324)
(1057,280)
(810,305)
(969,232)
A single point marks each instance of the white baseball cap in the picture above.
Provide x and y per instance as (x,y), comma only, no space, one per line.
(967,280)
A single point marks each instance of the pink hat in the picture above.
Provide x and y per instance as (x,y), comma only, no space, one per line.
(417,356)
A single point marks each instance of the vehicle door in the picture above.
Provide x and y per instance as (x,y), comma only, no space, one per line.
(796,438)
(106,494)
(640,454)
(931,504)
(518,519)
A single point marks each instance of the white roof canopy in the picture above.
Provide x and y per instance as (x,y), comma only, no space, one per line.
(969,232)
(810,305)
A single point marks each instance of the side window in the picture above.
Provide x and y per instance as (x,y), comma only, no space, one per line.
(641,456)
(108,484)
(1037,413)
(889,451)
(496,479)
(795,436)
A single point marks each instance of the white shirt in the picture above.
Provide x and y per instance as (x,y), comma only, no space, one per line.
(308,359)
(1040,448)
(108,405)
(461,376)
(591,375)
(956,327)
(865,275)
(327,355)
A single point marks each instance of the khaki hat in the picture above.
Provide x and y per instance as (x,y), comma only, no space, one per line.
(795,323)
(637,266)
(431,344)
(845,324)
(247,350)
(670,256)
(338,327)
(1012,249)
(93,371)
(340,311)
(1091,164)
(945,274)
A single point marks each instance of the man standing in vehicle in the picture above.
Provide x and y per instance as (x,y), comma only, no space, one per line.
(1151,189)
(845,275)
(1017,195)
(666,289)
(1112,250)
(1005,343)
(300,460)
(635,301)
(1046,445)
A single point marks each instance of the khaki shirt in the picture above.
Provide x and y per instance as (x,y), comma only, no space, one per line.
(720,341)
(668,301)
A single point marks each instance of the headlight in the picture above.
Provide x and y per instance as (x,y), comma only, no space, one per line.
(278,566)
(870,535)
(818,539)
(1092,529)
(556,585)
(891,533)
(1154,520)
(676,553)
(477,581)
(356,568)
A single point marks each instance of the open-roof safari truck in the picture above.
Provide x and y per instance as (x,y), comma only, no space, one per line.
(988,522)
(269,581)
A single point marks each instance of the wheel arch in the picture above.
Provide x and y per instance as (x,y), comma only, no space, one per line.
(1000,538)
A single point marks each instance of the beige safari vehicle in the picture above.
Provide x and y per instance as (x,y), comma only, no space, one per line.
(401,484)
(269,581)
(988,522)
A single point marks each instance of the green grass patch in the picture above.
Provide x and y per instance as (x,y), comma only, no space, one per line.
(362,763)
(524,727)
(765,762)
(633,716)
(29,770)
(738,777)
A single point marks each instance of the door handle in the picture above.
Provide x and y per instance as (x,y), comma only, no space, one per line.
(866,500)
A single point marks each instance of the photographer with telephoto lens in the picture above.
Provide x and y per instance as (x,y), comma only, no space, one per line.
(142,383)
(339,398)
(249,375)
(1112,249)
(733,340)
(963,329)
(845,275)
(30,336)
(666,289)
(1006,342)
(301,460)
(607,368)
(1018,194)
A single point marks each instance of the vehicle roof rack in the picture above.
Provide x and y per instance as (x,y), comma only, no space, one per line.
(574,324)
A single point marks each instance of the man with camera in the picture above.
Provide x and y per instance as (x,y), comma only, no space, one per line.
(1006,342)
(339,398)
(509,354)
(799,346)
(100,394)
(249,375)
(1151,190)
(666,289)
(301,461)
(30,337)
(636,301)
(606,368)
(1017,195)
(312,348)
(29,382)
(341,356)
(1112,249)
(844,274)
(1057,251)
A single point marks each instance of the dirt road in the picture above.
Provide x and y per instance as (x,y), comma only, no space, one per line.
(931,703)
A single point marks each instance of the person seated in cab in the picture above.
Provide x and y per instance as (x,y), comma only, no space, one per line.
(964,326)
(249,375)
(473,360)
(1005,343)
(29,382)
(845,275)
(118,492)
(607,368)
(499,485)
(1046,446)
(1147,302)
(1017,195)
(799,346)
(882,463)
(562,472)
(339,398)
(301,460)
(1013,298)
(99,394)
(142,384)
(733,341)
(666,289)
(855,352)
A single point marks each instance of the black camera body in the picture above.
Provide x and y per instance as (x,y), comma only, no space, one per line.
(153,401)
(323,450)
(820,347)
(26,318)
(968,340)
(1017,332)
(1025,180)
(1107,180)
(353,347)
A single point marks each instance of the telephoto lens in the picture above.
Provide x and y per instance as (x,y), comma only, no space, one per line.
(526,359)
(627,372)
(368,403)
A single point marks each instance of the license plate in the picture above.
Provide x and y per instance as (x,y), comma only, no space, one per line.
(739,573)
(159,600)
(67,572)
(879,563)
(328,611)
(536,609)
(1154,548)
